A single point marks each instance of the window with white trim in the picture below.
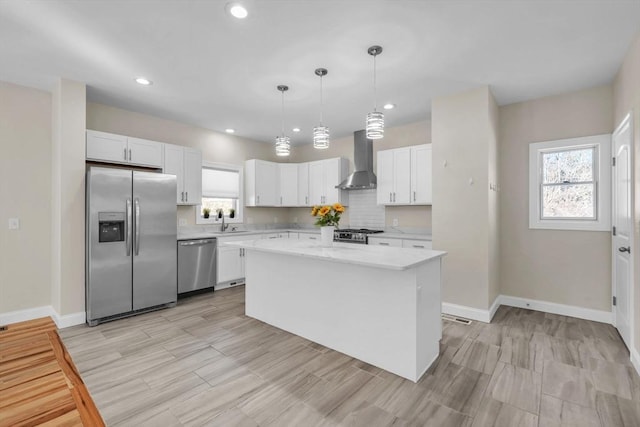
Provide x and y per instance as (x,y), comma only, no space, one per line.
(221,194)
(569,184)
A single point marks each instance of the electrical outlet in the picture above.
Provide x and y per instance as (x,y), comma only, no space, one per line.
(395,222)
(14,223)
(182,222)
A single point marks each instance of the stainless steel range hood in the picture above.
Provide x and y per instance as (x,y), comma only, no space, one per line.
(363,177)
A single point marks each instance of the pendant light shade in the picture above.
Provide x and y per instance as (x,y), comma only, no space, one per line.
(375,119)
(321,133)
(283,143)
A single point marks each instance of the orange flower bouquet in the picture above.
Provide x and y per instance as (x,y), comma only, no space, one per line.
(327,215)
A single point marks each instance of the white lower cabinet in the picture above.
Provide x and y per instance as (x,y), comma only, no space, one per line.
(382,241)
(417,244)
(230,265)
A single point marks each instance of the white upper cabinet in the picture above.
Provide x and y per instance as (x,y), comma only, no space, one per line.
(186,164)
(421,181)
(303,184)
(394,176)
(324,175)
(404,176)
(112,148)
(261,181)
(288,184)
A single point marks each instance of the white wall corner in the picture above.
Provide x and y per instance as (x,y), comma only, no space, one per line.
(555,308)
(494,307)
(39,312)
(467,312)
(635,359)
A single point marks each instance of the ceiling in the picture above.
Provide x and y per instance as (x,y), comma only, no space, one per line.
(217,72)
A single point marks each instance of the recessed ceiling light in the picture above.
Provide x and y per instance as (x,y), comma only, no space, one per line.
(296,129)
(237,10)
(229,130)
(389,106)
(143,81)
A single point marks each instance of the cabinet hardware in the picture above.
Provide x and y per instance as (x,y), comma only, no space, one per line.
(280,199)
(383,244)
(419,246)
(614,230)
(125,153)
(414,196)
(186,196)
(306,200)
(182,196)
(623,249)
(129,154)
(394,197)
(615,301)
(390,197)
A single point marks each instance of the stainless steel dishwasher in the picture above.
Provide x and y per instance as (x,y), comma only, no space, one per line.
(196,265)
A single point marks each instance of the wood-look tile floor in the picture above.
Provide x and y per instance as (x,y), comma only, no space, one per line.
(205,363)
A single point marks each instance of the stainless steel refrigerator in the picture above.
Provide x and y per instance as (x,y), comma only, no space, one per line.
(131,242)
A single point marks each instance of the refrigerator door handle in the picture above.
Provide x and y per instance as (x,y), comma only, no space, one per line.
(137,226)
(127,227)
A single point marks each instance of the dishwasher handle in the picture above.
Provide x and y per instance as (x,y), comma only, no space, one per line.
(197,242)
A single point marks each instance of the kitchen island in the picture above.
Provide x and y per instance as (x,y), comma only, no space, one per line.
(378,304)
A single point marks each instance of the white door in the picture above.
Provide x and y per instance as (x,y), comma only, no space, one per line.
(145,152)
(402,174)
(331,178)
(266,183)
(303,184)
(107,147)
(288,177)
(316,187)
(622,142)
(230,264)
(421,193)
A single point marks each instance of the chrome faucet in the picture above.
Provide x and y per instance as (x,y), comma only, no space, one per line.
(223,226)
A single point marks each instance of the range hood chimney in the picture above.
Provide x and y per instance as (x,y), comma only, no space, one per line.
(363,177)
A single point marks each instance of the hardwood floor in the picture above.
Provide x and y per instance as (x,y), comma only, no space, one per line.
(205,363)
(38,383)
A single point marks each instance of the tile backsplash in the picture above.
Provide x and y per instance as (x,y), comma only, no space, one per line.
(364,212)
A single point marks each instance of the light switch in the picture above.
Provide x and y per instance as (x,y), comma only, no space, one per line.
(395,222)
(182,222)
(14,223)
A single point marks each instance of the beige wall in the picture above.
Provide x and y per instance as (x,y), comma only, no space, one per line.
(25,193)
(463,139)
(69,102)
(626,94)
(565,267)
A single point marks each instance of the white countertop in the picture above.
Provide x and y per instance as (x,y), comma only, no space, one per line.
(189,235)
(348,253)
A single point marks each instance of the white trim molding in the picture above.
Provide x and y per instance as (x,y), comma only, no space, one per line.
(531,304)
(466,312)
(555,308)
(63,321)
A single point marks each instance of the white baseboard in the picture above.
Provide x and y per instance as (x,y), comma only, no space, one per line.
(635,359)
(45,311)
(544,306)
(70,319)
(466,312)
(555,308)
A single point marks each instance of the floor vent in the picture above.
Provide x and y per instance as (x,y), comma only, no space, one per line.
(456,319)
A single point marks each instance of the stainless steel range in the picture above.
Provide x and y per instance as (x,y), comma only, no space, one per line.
(354,235)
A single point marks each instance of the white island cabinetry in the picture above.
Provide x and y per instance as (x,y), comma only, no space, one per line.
(380,305)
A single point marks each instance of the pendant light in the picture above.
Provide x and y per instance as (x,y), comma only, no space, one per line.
(375,119)
(321,133)
(283,144)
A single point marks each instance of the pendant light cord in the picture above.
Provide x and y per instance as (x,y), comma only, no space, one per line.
(375,90)
(321,101)
(282,114)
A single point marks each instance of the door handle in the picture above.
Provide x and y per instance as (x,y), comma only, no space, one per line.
(186,196)
(127,227)
(182,196)
(394,197)
(623,249)
(137,226)
(129,154)
(125,153)
(390,197)
(383,244)
(414,196)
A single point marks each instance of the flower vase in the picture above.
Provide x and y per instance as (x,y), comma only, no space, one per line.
(326,235)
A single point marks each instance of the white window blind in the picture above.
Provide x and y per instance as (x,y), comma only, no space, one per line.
(220,183)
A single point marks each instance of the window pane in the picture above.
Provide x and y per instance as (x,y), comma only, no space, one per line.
(568,201)
(218,203)
(220,183)
(567,166)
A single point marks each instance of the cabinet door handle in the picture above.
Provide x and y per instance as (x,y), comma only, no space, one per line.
(394,197)
(383,244)
(186,196)
(129,154)
(257,200)
(182,196)
(280,199)
(419,246)
(125,153)
(306,200)
(390,197)
(414,196)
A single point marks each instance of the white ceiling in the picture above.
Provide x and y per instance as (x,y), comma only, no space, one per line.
(217,72)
